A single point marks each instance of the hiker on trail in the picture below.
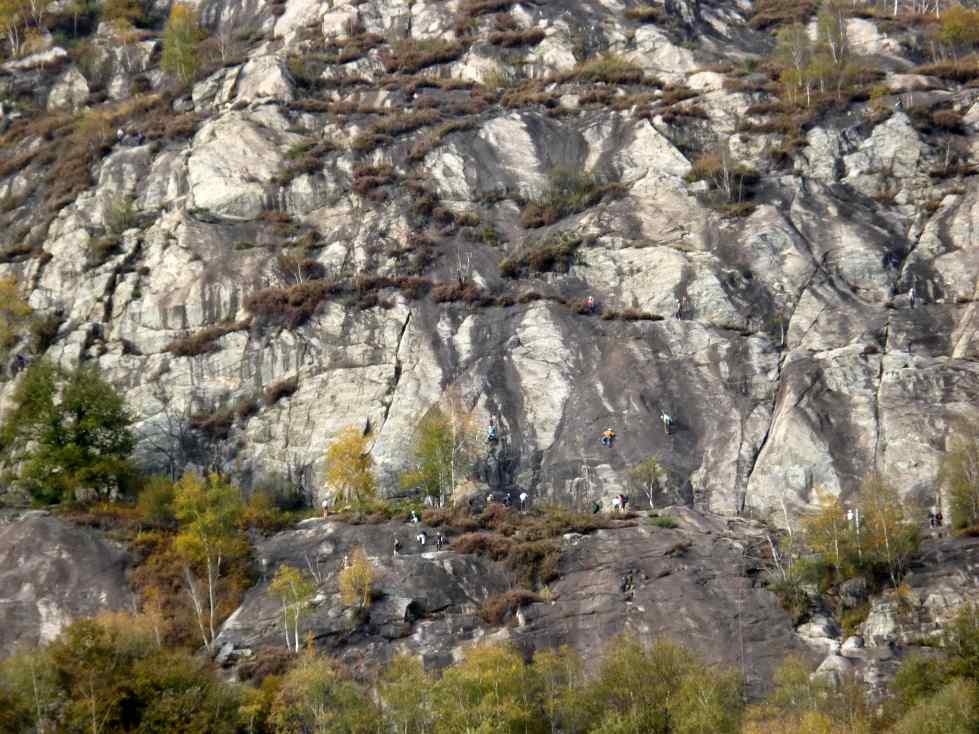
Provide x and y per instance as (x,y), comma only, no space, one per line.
(397,546)
(624,501)
(421,538)
(596,507)
(617,503)
(491,433)
(933,518)
(667,420)
(590,304)
(414,518)
(489,499)
(939,519)
(523,500)
(677,308)
(608,437)
(439,541)
(912,296)
(325,504)
(508,500)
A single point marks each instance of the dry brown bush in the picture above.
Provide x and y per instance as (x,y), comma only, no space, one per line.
(204,340)
(280,389)
(497,608)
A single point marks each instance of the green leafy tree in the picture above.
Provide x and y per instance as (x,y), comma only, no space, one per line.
(888,537)
(953,710)
(445,449)
(793,52)
(73,430)
(828,533)
(350,468)
(314,698)
(959,29)
(294,590)
(13,19)
(209,511)
(181,40)
(491,690)
(648,477)
(406,692)
(960,479)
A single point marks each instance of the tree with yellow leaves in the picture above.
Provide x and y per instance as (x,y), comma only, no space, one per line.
(350,468)
(181,38)
(357,580)
(15,314)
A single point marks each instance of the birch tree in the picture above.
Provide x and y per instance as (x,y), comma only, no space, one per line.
(295,592)
(208,511)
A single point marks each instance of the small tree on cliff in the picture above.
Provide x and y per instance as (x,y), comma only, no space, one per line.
(648,478)
(445,448)
(181,38)
(294,591)
(960,478)
(350,468)
(209,511)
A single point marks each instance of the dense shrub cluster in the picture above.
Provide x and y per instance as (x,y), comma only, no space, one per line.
(568,192)
(555,254)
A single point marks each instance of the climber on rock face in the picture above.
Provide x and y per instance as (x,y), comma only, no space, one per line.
(608,437)
(491,433)
(590,304)
(667,420)
(421,538)
(523,500)
(397,546)
(596,507)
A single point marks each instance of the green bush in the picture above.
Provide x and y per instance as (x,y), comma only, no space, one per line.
(664,521)
(155,502)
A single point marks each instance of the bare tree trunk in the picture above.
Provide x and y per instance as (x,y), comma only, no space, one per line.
(198,607)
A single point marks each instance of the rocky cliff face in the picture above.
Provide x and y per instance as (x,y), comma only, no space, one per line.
(383,141)
(699,583)
(52,574)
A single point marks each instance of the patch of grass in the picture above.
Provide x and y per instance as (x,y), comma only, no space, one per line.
(769,13)
(516,38)
(664,521)
(556,254)
(568,192)
(962,71)
(645,13)
(385,129)
(432,140)
(367,179)
(851,619)
(410,56)
(608,69)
